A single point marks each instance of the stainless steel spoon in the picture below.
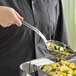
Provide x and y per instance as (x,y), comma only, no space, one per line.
(49,42)
(36,30)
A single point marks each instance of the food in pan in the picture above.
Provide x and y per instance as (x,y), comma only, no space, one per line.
(61,49)
(63,68)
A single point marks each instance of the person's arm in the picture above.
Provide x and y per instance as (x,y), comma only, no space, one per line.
(9,16)
(60,33)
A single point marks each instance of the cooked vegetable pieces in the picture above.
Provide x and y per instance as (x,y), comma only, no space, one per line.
(61,49)
(63,68)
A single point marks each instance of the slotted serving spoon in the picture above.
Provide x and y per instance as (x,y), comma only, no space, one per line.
(56,54)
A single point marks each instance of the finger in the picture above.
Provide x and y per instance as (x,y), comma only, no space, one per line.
(17,21)
(17,14)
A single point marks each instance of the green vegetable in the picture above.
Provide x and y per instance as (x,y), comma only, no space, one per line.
(43,67)
(55,47)
(60,44)
(71,52)
(54,70)
(74,69)
(67,73)
(58,48)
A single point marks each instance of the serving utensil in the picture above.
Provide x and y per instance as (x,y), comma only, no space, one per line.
(56,54)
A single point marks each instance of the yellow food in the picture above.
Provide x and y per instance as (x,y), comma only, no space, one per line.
(62,50)
(61,69)
(64,69)
(74,72)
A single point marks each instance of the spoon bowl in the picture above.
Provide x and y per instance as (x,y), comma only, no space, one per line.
(60,50)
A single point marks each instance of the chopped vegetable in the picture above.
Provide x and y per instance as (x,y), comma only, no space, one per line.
(54,70)
(74,69)
(63,68)
(60,48)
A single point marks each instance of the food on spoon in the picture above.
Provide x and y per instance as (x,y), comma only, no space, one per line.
(58,48)
(60,69)
(61,49)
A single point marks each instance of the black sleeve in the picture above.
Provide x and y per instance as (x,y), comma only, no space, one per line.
(60,33)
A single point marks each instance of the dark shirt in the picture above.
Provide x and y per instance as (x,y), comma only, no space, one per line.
(29,2)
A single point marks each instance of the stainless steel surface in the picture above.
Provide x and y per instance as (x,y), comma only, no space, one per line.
(36,30)
(30,68)
(34,66)
(42,73)
(47,43)
(26,69)
(61,55)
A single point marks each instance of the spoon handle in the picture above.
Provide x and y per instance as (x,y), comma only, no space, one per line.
(36,30)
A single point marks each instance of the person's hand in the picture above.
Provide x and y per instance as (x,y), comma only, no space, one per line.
(9,16)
